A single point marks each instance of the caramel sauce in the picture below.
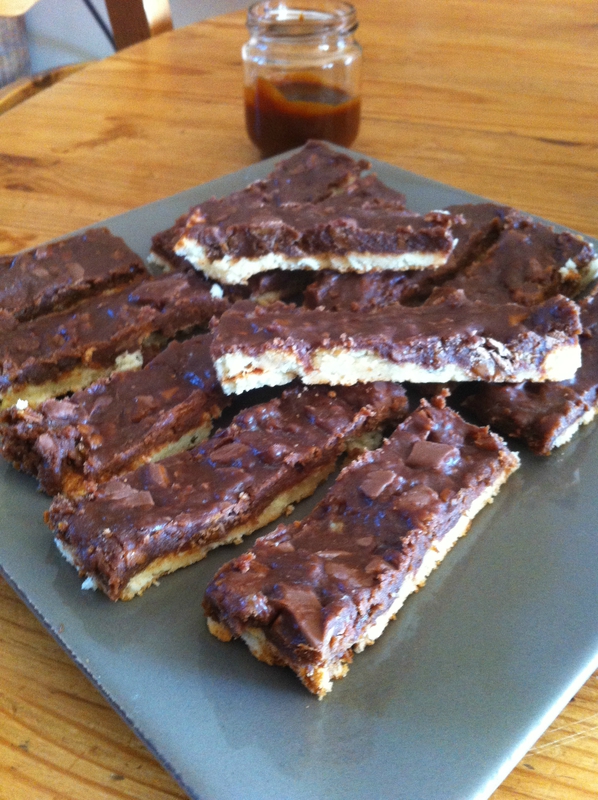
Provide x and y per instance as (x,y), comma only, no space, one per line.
(287,113)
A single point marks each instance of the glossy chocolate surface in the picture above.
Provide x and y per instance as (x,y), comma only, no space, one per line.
(56,275)
(198,496)
(315,586)
(110,427)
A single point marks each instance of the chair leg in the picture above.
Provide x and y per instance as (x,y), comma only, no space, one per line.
(135,20)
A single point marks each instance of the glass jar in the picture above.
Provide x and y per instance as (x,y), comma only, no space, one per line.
(302,74)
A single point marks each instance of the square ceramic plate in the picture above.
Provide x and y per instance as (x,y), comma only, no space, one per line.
(442,707)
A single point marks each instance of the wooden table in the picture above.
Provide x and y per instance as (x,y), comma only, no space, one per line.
(496,97)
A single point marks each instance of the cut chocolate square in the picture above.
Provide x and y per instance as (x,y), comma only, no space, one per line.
(454,339)
(475,228)
(310,594)
(314,212)
(54,276)
(546,415)
(68,350)
(528,263)
(118,423)
(168,515)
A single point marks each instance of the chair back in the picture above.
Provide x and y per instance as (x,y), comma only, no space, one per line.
(131,20)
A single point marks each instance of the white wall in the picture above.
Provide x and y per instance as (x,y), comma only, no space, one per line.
(63,31)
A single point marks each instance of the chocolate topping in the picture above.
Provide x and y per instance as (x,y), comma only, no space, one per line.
(116,423)
(250,226)
(323,582)
(541,413)
(198,497)
(53,276)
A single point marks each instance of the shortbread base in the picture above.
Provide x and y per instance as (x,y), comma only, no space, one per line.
(238,270)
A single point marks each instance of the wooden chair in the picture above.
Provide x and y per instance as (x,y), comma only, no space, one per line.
(132,21)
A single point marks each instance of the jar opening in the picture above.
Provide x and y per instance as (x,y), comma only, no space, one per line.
(302,18)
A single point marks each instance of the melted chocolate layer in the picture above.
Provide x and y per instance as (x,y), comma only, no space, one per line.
(196,498)
(54,276)
(116,423)
(316,588)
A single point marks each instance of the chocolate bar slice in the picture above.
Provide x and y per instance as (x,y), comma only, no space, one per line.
(310,594)
(54,276)
(528,263)
(455,339)
(475,228)
(68,350)
(546,415)
(301,218)
(168,515)
(118,423)
(230,240)
(309,176)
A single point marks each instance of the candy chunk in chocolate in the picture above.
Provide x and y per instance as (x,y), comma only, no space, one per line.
(312,593)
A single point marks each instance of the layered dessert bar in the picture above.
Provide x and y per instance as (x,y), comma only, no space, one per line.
(454,339)
(312,593)
(263,288)
(309,176)
(164,516)
(54,276)
(230,240)
(528,263)
(118,423)
(68,350)
(308,215)
(546,415)
(475,228)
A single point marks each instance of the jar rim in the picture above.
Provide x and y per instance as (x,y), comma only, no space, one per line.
(301,18)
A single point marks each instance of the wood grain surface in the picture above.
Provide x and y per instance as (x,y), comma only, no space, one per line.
(496,97)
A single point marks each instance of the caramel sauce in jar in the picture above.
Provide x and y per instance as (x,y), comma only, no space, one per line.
(302,71)
(286,114)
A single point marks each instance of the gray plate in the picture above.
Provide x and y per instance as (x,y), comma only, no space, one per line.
(459,687)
